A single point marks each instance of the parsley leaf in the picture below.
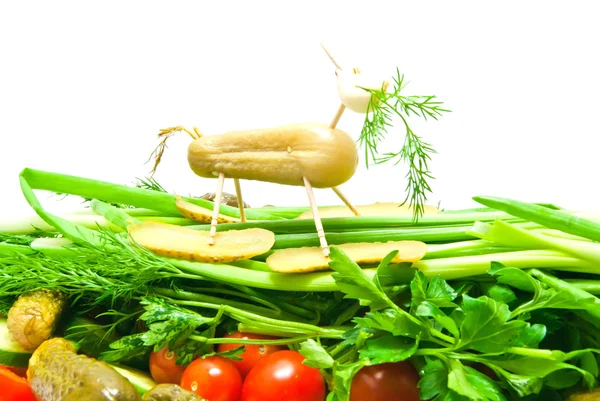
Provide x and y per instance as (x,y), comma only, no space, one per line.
(168,325)
(428,309)
(472,384)
(389,348)
(485,327)
(394,321)
(316,356)
(435,291)
(353,281)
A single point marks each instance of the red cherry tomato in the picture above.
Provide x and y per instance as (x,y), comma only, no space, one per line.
(386,382)
(283,376)
(214,378)
(21,372)
(14,388)
(163,367)
(252,354)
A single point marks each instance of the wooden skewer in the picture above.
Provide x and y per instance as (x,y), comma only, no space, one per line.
(345,200)
(333,124)
(337,191)
(331,57)
(216,208)
(338,115)
(238,194)
(318,223)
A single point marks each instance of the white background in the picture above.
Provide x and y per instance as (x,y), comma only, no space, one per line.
(85,87)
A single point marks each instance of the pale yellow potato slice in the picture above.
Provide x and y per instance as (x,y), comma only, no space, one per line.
(199,213)
(308,259)
(184,243)
(375,209)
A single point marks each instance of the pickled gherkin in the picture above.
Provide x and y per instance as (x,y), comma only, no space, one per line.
(57,373)
(170,392)
(34,316)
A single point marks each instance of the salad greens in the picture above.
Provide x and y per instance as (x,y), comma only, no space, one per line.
(504,305)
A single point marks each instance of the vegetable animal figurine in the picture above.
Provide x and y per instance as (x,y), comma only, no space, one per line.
(313,155)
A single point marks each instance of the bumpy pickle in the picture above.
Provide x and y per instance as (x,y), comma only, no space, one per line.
(33,317)
(57,373)
(170,392)
(282,155)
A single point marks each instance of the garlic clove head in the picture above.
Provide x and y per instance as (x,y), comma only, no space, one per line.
(350,84)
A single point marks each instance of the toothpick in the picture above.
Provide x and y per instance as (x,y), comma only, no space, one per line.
(337,191)
(315,211)
(345,200)
(331,57)
(338,115)
(238,194)
(216,208)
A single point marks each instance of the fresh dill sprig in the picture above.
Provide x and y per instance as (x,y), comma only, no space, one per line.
(383,106)
(22,239)
(90,275)
(150,183)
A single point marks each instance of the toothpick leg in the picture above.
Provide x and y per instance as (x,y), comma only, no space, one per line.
(315,211)
(238,194)
(216,208)
(333,60)
(345,200)
(337,191)
(338,115)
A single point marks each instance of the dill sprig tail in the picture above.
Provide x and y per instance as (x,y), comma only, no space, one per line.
(383,106)
(88,274)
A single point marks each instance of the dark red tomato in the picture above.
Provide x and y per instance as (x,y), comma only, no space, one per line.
(489,372)
(213,378)
(386,382)
(252,354)
(283,376)
(163,367)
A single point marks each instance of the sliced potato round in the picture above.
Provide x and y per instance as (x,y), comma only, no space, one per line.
(375,209)
(184,243)
(199,213)
(308,259)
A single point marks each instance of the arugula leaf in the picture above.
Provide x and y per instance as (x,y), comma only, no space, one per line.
(485,327)
(389,349)
(316,356)
(353,281)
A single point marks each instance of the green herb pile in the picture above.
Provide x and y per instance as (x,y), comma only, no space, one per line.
(503,306)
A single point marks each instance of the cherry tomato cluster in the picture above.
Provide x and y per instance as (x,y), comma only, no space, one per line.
(274,373)
(265,373)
